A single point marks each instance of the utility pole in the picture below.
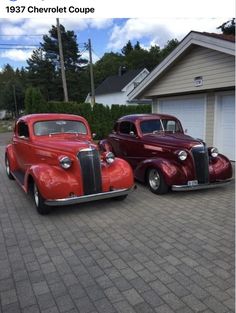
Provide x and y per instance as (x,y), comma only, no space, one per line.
(91,74)
(63,75)
(15,102)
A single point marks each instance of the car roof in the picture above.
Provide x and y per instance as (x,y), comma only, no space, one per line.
(50,116)
(144,117)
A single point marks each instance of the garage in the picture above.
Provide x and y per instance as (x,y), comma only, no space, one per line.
(224,137)
(190,111)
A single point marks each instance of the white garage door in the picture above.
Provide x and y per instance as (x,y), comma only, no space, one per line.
(190,111)
(224,137)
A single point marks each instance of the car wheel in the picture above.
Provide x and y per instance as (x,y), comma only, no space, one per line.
(42,208)
(156,181)
(8,170)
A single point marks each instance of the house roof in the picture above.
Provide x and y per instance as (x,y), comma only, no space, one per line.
(218,42)
(117,82)
(220,36)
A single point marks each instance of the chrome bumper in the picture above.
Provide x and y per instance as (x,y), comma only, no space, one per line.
(200,186)
(87,198)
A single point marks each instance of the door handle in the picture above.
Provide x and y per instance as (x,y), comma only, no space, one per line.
(116,139)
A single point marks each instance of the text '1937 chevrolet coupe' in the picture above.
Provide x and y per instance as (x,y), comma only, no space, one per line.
(53,157)
(162,156)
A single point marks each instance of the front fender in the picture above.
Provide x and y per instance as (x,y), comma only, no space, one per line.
(173,172)
(120,174)
(53,182)
(220,168)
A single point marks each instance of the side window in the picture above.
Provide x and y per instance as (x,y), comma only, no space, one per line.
(23,130)
(127,128)
(115,128)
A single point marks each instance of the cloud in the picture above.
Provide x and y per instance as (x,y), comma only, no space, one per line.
(158,30)
(13,28)
(16,54)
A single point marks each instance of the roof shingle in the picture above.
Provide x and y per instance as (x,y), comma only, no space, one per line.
(116,83)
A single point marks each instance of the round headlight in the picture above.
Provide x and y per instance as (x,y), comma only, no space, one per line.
(214,152)
(110,158)
(182,155)
(65,162)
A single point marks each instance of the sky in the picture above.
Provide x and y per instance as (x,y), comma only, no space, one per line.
(19,36)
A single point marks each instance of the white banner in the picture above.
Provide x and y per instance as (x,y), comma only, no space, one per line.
(68,8)
(110,8)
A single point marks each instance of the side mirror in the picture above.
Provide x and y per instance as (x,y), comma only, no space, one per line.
(185,131)
(132,133)
(94,135)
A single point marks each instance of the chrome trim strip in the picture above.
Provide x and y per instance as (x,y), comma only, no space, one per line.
(200,186)
(87,198)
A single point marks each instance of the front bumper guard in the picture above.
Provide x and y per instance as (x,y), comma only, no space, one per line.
(200,186)
(88,198)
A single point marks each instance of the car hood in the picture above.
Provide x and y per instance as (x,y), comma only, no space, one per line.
(69,145)
(172,139)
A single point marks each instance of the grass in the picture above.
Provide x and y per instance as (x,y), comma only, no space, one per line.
(6,126)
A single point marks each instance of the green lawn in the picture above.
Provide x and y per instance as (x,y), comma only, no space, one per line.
(6,126)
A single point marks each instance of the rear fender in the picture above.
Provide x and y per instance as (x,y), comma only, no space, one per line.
(11,158)
(172,171)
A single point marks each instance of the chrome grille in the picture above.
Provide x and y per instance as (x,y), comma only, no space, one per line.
(91,171)
(201,160)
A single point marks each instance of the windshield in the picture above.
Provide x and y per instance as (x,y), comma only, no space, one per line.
(44,128)
(156,126)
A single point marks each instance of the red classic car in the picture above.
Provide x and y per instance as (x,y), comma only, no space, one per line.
(164,157)
(53,156)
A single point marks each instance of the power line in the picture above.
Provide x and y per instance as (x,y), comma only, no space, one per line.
(20,48)
(17,44)
(22,35)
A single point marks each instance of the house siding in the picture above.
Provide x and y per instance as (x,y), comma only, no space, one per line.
(216,68)
(210,115)
(112,98)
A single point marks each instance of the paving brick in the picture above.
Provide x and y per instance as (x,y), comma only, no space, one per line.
(132,296)
(143,308)
(65,303)
(147,254)
(45,301)
(8,297)
(194,303)
(215,306)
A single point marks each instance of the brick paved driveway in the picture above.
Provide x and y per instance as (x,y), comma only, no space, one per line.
(171,253)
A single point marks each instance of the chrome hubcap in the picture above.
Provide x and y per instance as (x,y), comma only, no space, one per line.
(7,167)
(154,179)
(36,195)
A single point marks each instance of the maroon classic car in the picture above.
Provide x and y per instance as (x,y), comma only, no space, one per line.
(53,157)
(164,157)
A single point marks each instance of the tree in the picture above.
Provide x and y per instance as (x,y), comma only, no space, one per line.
(228,28)
(168,48)
(12,84)
(34,101)
(127,48)
(42,74)
(137,46)
(44,65)
(108,65)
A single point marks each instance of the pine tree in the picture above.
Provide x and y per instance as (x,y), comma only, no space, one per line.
(44,65)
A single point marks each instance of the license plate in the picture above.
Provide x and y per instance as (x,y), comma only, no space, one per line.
(192,182)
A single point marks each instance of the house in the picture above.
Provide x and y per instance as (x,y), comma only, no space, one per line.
(196,83)
(114,89)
